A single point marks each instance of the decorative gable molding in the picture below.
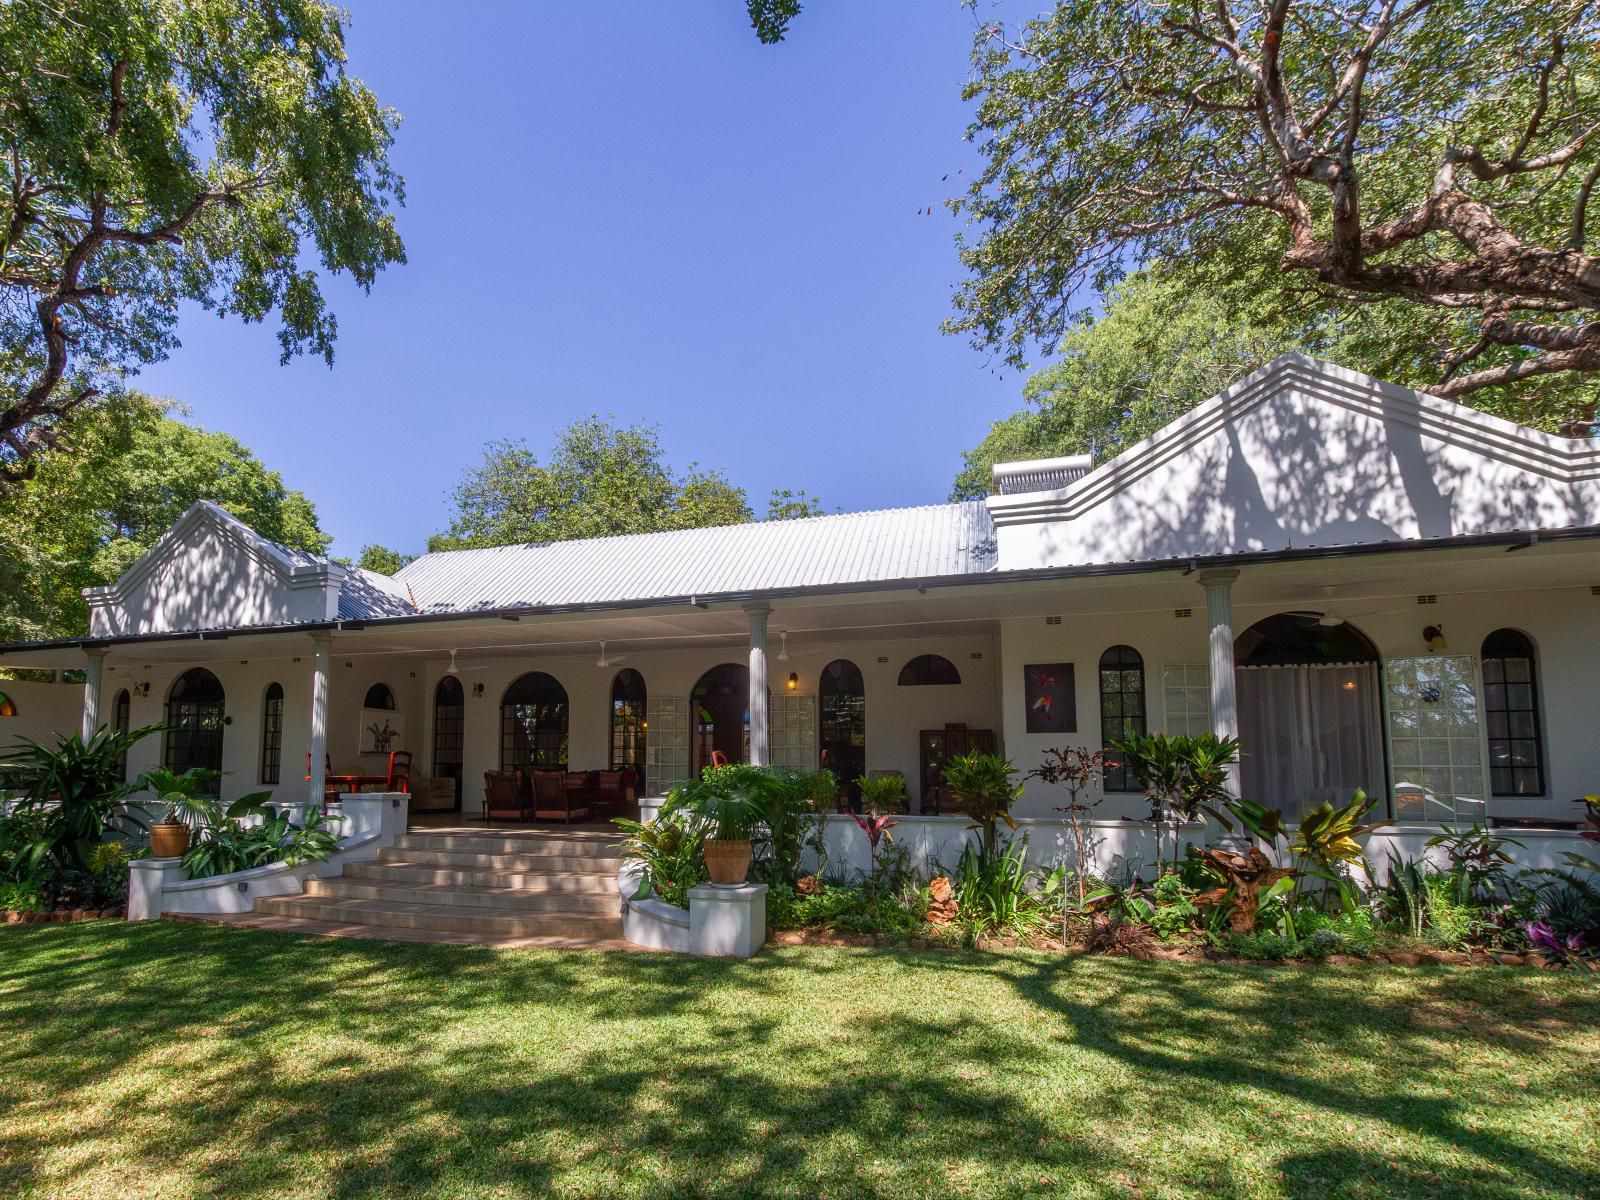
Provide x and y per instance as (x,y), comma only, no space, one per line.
(212,571)
(1305,453)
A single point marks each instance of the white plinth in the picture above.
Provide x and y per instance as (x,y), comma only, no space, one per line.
(727,922)
(146,878)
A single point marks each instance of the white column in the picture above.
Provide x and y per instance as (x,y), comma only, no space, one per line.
(93,687)
(1224,699)
(321,662)
(759,740)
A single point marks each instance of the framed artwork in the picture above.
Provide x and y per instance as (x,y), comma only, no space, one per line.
(382,730)
(1051,699)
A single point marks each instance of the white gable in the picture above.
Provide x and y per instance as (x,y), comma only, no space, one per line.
(211,571)
(1300,454)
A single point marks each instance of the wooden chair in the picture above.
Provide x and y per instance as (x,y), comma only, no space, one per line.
(503,798)
(399,771)
(553,802)
(610,793)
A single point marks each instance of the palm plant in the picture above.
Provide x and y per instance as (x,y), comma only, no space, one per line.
(188,797)
(729,805)
(1183,775)
(74,795)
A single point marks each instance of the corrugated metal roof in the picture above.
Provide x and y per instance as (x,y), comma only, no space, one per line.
(367,594)
(886,544)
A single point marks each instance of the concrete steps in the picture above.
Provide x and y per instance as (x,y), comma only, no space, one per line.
(524,888)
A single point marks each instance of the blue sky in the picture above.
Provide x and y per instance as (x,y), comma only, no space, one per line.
(636,208)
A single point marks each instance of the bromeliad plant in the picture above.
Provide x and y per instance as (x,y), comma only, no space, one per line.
(981,784)
(669,850)
(876,826)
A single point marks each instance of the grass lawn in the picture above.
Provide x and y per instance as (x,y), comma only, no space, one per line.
(180,1060)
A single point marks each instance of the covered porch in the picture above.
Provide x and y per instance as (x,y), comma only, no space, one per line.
(1324,665)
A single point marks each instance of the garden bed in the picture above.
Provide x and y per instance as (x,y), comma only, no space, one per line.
(12,916)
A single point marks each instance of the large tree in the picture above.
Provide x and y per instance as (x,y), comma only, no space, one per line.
(1434,157)
(602,479)
(90,513)
(213,151)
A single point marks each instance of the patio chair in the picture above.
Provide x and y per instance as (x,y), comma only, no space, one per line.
(552,801)
(399,771)
(609,793)
(503,798)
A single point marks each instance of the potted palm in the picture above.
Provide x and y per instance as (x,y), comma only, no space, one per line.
(729,804)
(189,802)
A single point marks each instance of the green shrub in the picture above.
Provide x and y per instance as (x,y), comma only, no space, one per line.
(1174,910)
(848,910)
(21,896)
(1450,922)
(1262,943)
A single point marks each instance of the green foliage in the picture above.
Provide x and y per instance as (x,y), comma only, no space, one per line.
(205,151)
(787,504)
(90,512)
(848,910)
(1174,909)
(1450,923)
(770,18)
(601,480)
(982,785)
(1262,944)
(75,795)
(1000,893)
(382,560)
(886,793)
(20,895)
(190,798)
(1229,139)
(1184,775)
(231,844)
(1478,861)
(669,850)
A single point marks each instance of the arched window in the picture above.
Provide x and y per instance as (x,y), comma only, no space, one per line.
(449,730)
(627,721)
(121,708)
(720,715)
(8,706)
(533,724)
(194,722)
(272,734)
(380,695)
(842,720)
(1310,720)
(1511,712)
(1121,709)
(928,669)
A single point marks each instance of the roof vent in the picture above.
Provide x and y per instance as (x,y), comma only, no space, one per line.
(1181,613)
(1057,620)
(1429,599)
(1040,474)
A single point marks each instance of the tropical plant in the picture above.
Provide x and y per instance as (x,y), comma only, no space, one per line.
(75,795)
(1002,893)
(20,895)
(669,850)
(238,843)
(884,793)
(1184,775)
(1174,910)
(1324,843)
(876,826)
(189,798)
(981,784)
(1478,861)
(1080,771)
(1403,896)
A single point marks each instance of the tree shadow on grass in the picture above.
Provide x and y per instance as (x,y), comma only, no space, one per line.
(230,1063)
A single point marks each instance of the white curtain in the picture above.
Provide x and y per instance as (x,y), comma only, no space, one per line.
(1309,734)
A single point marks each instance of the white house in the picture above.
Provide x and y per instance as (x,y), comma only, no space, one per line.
(1369,586)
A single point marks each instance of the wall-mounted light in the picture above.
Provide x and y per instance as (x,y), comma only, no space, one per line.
(477,689)
(1434,636)
(142,688)
(1349,685)
(794,681)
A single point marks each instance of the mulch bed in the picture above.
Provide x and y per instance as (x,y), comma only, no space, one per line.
(10,916)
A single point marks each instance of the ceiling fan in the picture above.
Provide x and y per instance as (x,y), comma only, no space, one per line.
(451,669)
(1329,616)
(604,661)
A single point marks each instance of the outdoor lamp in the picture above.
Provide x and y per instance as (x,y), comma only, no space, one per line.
(1434,636)
(794,681)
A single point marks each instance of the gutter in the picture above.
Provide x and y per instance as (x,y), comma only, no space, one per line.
(1518,540)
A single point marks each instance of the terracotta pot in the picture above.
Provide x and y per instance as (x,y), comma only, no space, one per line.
(169,839)
(728,861)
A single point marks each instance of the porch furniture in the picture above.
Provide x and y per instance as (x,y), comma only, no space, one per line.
(399,771)
(504,799)
(553,802)
(935,748)
(437,794)
(609,792)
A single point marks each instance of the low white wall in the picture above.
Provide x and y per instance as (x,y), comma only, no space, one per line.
(157,886)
